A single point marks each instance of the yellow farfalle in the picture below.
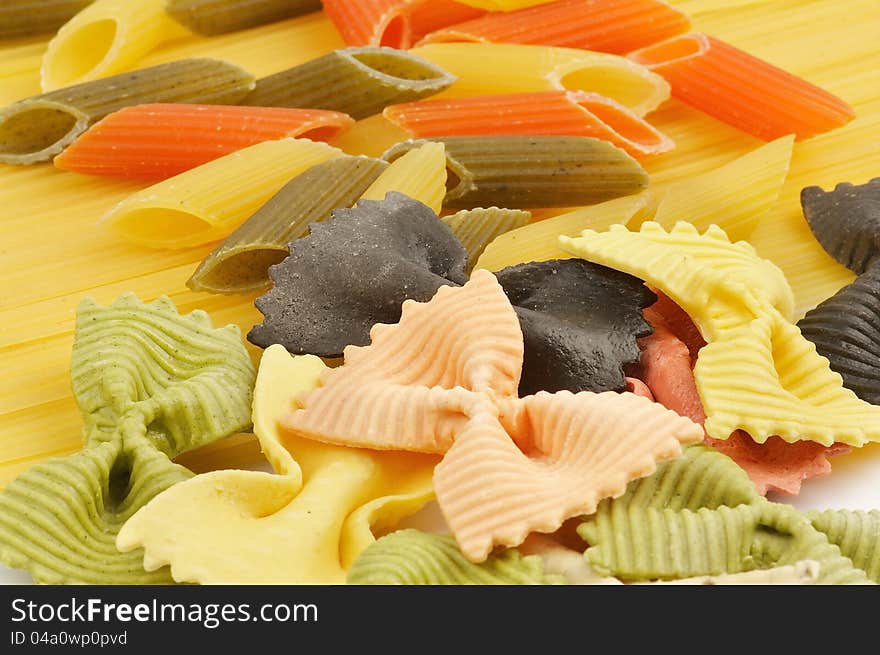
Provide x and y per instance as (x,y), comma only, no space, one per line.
(758,373)
(304,525)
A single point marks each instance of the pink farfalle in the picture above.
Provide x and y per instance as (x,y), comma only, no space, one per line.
(666,367)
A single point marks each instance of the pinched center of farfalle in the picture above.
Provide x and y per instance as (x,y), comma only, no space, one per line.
(444,380)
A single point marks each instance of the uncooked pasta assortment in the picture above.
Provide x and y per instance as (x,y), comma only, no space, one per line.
(592,281)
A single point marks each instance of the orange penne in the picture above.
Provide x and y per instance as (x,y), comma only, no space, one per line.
(394,23)
(158,141)
(551,113)
(615,26)
(741,90)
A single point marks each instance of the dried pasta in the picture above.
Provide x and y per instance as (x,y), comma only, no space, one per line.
(489,68)
(356,81)
(212,17)
(149,384)
(615,26)
(560,171)
(158,141)
(393,23)
(743,91)
(241,263)
(553,113)
(36,129)
(305,524)
(476,228)
(29,17)
(420,174)
(105,38)
(207,203)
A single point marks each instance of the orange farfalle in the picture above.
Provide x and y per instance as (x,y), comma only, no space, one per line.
(668,356)
(445,378)
(158,141)
(742,90)
(571,451)
(547,113)
(394,23)
(615,26)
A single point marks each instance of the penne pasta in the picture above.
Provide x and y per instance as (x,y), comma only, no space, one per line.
(241,263)
(106,37)
(357,81)
(419,173)
(734,196)
(615,26)
(38,128)
(539,241)
(210,17)
(741,90)
(158,141)
(393,23)
(503,5)
(553,113)
(477,228)
(31,17)
(491,68)
(207,203)
(524,172)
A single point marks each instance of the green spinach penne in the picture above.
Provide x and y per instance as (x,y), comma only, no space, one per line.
(532,171)
(359,81)
(241,262)
(211,17)
(30,17)
(38,128)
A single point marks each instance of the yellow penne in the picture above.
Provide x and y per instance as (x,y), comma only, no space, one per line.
(207,203)
(734,196)
(419,174)
(487,68)
(538,242)
(107,37)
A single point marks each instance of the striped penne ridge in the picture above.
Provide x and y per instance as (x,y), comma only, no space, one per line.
(571,451)
(211,17)
(476,228)
(393,23)
(20,18)
(419,174)
(241,262)
(552,113)
(411,557)
(532,171)
(358,81)
(742,90)
(207,203)
(158,141)
(615,26)
(37,128)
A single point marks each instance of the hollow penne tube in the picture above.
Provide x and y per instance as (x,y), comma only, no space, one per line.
(357,81)
(241,263)
(210,17)
(207,203)
(419,172)
(734,196)
(38,128)
(615,26)
(553,113)
(539,171)
(476,228)
(742,90)
(539,241)
(490,68)
(106,37)
(393,23)
(158,141)
(30,17)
